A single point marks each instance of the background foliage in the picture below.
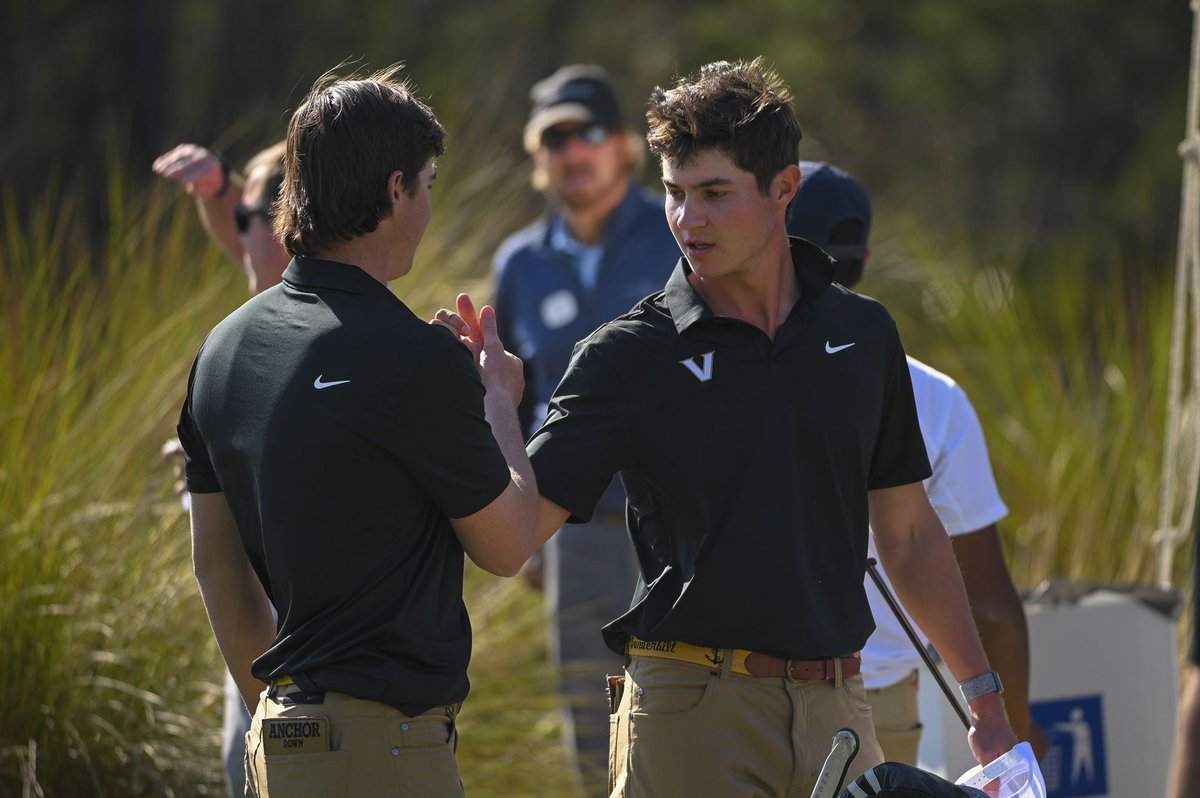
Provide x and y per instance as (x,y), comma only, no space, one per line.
(1021,157)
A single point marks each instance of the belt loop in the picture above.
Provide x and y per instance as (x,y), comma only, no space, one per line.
(726,664)
(837,673)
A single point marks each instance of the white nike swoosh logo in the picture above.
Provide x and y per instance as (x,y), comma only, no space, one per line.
(832,349)
(318,384)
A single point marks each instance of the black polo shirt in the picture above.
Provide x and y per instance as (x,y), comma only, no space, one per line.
(746,461)
(345,433)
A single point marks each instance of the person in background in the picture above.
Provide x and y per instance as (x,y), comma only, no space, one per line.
(238,213)
(602,246)
(833,211)
(1184,778)
(341,457)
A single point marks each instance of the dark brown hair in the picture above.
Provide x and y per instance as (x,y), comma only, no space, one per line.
(343,142)
(741,109)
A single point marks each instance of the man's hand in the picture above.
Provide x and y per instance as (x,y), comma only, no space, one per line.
(197,168)
(501,372)
(172,451)
(990,735)
(534,572)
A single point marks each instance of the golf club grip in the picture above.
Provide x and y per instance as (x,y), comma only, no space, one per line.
(833,772)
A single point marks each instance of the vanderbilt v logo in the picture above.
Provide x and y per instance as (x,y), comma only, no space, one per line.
(703,369)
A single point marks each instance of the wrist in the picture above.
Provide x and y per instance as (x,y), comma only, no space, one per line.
(986,683)
(223,187)
(498,399)
(987,708)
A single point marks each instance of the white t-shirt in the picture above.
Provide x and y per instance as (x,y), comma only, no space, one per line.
(963,492)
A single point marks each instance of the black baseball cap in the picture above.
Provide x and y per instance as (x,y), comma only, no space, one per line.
(580,93)
(829,198)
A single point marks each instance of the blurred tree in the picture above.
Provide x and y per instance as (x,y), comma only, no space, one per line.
(1014,122)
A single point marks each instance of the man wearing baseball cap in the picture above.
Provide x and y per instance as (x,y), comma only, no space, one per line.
(602,245)
(833,211)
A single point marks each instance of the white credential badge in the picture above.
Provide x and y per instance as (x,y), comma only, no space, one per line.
(559,309)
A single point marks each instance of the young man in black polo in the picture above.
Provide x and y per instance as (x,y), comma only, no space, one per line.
(341,456)
(758,414)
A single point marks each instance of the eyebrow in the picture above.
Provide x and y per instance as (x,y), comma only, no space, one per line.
(712,181)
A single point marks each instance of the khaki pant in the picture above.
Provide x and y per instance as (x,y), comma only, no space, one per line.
(375,750)
(897,722)
(682,729)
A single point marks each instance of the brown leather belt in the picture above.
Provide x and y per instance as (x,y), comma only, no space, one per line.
(747,663)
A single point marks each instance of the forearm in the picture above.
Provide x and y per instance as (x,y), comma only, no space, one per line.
(1005,638)
(233,596)
(501,414)
(241,619)
(928,583)
(1185,760)
(1000,618)
(217,216)
(499,538)
(930,586)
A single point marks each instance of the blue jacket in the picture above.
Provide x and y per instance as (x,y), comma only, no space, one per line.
(543,308)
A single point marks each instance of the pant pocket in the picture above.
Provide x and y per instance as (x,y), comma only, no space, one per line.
(325,774)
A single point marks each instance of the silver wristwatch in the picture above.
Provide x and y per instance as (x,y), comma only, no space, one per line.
(979,685)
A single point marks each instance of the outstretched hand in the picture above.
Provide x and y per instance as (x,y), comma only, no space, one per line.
(196,167)
(499,370)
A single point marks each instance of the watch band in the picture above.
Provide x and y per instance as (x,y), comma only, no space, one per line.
(979,685)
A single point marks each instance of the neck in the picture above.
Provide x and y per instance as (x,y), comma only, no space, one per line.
(587,223)
(369,253)
(762,296)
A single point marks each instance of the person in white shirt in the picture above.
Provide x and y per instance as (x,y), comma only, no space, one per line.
(833,211)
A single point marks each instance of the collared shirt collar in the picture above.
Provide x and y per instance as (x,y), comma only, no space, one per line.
(306,272)
(814,270)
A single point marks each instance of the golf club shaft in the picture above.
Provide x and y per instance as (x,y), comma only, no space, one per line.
(912,636)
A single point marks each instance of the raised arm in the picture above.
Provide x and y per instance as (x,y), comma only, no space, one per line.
(515,509)
(216,189)
(920,562)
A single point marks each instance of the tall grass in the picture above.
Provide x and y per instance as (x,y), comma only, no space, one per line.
(110,683)
(1067,369)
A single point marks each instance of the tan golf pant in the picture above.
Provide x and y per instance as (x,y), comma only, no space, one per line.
(897,722)
(375,751)
(682,729)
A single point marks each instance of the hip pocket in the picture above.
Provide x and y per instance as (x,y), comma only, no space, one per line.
(325,774)
(667,690)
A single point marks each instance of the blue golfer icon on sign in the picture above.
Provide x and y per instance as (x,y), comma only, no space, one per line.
(1075,764)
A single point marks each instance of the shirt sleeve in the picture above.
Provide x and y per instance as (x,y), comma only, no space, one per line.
(585,439)
(199,474)
(962,489)
(444,439)
(899,457)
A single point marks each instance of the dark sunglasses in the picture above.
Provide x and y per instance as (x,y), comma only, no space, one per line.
(242,215)
(555,138)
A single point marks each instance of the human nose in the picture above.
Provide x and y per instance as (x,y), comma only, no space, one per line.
(688,215)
